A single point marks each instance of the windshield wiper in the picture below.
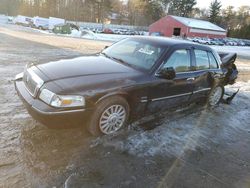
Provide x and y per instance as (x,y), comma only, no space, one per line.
(117,59)
(105,55)
(114,58)
(120,60)
(124,62)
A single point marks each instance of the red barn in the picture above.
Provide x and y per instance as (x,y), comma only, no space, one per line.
(180,26)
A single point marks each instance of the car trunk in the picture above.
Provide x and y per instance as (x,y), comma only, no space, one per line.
(228,66)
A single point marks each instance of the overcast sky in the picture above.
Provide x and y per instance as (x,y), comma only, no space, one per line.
(225,3)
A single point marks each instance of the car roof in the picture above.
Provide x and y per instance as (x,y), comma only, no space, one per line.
(170,42)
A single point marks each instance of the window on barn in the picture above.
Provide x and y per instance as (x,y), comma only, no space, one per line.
(177,32)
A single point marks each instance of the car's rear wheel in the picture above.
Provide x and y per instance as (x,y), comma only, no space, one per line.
(110,116)
(215,95)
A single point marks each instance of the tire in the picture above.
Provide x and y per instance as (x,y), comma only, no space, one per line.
(215,95)
(110,116)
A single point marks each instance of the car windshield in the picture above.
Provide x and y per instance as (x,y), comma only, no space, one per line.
(136,53)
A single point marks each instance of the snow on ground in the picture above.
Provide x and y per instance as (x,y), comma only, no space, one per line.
(182,131)
(243,65)
(86,34)
(243,51)
(75,33)
(111,37)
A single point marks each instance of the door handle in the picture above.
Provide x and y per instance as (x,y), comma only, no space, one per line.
(190,79)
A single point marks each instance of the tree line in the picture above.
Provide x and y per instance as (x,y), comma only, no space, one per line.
(133,12)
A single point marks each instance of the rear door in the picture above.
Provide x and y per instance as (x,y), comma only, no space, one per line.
(165,94)
(206,68)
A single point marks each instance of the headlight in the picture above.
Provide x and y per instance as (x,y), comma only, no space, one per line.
(61,100)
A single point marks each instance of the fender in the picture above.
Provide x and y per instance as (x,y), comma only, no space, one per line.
(122,93)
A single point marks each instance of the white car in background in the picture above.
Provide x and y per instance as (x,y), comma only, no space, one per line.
(204,41)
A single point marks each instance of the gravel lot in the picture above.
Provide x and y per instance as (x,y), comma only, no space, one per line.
(193,147)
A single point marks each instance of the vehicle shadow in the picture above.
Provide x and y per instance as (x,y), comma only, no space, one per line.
(51,155)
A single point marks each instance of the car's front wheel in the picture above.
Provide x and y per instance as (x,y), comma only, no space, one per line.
(110,116)
(215,95)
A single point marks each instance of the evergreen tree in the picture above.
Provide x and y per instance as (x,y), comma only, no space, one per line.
(181,7)
(229,18)
(214,12)
(153,10)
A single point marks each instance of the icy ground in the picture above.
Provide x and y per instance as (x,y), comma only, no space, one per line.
(187,131)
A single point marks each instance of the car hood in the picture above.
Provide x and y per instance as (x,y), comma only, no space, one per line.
(81,67)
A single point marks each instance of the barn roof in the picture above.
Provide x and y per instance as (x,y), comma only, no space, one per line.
(199,24)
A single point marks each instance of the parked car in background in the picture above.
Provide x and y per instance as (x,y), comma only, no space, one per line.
(231,42)
(240,43)
(195,39)
(156,34)
(108,31)
(247,42)
(216,41)
(62,29)
(133,78)
(204,41)
(55,21)
(73,26)
(219,41)
(23,20)
(10,19)
(40,23)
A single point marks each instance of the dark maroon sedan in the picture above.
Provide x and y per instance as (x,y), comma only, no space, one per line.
(128,80)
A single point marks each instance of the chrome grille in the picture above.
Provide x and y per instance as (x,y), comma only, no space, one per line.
(32,81)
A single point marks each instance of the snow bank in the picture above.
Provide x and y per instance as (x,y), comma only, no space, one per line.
(112,37)
(89,35)
(105,37)
(75,33)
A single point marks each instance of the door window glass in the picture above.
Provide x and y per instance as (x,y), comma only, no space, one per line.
(212,60)
(202,61)
(179,60)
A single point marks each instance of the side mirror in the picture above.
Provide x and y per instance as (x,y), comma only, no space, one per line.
(167,73)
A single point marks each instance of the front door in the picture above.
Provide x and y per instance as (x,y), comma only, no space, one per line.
(166,94)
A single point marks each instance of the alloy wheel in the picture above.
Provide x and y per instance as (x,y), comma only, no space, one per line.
(215,96)
(112,119)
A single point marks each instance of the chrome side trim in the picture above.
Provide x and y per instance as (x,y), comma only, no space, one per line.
(201,90)
(170,97)
(174,96)
(59,112)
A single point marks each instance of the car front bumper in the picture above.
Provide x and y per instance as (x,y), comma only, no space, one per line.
(49,116)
